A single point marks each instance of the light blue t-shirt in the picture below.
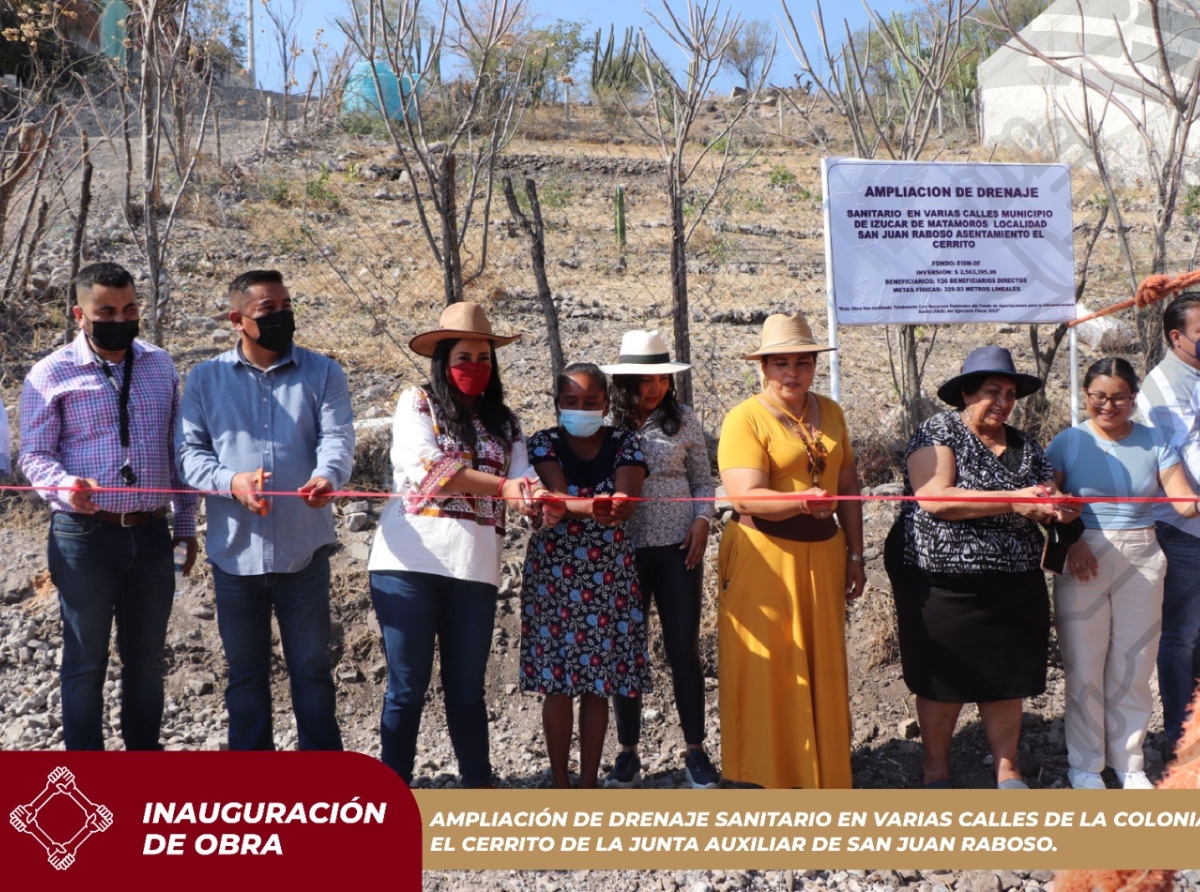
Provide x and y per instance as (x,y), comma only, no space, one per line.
(1092,466)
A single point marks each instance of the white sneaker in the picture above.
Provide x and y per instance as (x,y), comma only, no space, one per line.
(1085,780)
(1134,780)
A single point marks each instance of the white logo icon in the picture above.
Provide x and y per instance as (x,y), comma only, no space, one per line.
(97,818)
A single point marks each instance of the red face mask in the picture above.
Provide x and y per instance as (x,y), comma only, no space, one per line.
(471,378)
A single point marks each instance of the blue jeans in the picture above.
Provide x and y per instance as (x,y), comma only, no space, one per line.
(413,609)
(104,572)
(1179,648)
(301,604)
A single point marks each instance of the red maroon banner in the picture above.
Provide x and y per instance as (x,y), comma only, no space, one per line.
(187,820)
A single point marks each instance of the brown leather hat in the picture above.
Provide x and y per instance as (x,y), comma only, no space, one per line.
(465,319)
(787,334)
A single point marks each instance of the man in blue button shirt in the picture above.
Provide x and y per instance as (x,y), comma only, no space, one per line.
(270,416)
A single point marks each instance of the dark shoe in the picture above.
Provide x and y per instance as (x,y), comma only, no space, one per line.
(942,783)
(701,773)
(626,771)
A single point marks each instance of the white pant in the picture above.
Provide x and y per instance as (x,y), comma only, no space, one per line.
(1108,632)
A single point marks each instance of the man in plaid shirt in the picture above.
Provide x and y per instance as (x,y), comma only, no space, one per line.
(97,424)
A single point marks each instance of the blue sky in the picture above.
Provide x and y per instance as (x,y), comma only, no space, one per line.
(317,14)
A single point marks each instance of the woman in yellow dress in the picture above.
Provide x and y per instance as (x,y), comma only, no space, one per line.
(787,569)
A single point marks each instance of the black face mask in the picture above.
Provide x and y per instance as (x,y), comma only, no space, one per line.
(112,337)
(275,330)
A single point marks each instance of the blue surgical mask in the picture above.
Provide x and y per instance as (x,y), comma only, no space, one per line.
(1195,350)
(580,422)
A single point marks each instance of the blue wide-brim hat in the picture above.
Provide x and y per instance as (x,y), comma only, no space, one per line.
(982,362)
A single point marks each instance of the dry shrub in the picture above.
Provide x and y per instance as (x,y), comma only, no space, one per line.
(1043,415)
(879,462)
(875,613)
(372,460)
(22,510)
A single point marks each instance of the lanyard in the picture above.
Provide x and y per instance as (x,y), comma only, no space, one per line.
(123,407)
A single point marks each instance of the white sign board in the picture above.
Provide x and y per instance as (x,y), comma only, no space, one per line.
(930,242)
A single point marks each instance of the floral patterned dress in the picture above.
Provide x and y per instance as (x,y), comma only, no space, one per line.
(583,625)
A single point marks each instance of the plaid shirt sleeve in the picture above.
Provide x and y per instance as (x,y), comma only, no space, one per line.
(69,431)
(41,426)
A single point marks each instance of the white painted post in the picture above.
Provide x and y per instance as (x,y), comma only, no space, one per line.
(835,384)
(1073,340)
(250,44)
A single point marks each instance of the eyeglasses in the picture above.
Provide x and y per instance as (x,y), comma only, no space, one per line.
(1100,400)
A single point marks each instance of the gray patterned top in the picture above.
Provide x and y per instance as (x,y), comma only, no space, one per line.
(1000,543)
(679,468)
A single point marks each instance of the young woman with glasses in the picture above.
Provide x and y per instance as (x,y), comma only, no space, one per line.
(1108,603)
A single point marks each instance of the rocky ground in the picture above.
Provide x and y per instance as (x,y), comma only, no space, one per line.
(775,263)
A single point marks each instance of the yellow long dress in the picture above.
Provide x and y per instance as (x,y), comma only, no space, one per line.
(783,687)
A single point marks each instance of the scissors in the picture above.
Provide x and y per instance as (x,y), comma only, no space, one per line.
(535,520)
(263,505)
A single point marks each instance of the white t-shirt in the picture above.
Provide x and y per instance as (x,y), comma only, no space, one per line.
(460,536)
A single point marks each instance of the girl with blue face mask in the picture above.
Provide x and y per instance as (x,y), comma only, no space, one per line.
(583,630)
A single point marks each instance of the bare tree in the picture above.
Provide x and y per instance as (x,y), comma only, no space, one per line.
(703,37)
(36,118)
(1156,93)
(283,19)
(535,232)
(925,54)
(751,50)
(472,119)
(161,29)
(25,164)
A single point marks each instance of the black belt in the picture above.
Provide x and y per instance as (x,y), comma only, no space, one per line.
(800,528)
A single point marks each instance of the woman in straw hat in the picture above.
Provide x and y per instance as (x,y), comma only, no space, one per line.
(459,458)
(670,538)
(787,568)
(971,603)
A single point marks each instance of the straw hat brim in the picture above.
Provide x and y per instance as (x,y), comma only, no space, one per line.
(645,368)
(424,344)
(786,347)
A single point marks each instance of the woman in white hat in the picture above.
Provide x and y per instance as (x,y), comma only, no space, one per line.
(670,538)
(459,457)
(787,568)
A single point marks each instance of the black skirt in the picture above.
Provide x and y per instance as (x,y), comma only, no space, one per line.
(969,638)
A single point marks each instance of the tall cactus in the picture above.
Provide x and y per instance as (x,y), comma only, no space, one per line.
(619,216)
(614,72)
(534,76)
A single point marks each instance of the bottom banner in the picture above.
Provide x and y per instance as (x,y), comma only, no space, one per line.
(189,820)
(810,829)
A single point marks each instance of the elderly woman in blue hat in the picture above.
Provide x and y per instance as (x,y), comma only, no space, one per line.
(971,601)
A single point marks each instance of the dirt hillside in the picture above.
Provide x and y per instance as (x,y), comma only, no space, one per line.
(323,207)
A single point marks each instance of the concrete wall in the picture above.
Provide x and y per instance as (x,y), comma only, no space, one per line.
(1031,106)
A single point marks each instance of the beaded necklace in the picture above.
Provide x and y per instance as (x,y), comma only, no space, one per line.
(810,436)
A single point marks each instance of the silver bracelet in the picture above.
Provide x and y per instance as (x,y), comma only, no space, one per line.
(850,556)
